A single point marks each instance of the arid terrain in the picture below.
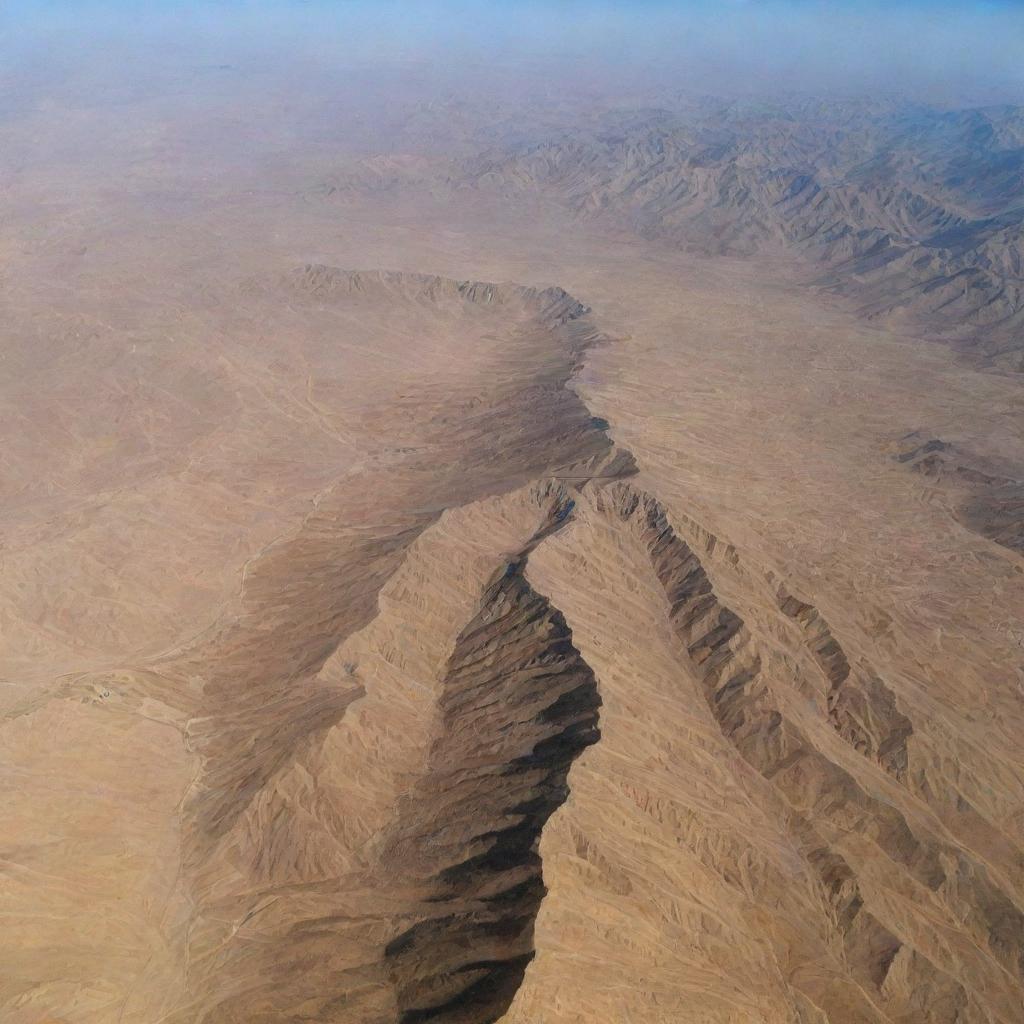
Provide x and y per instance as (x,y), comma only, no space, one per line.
(534,560)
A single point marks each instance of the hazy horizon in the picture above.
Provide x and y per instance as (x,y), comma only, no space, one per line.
(948,53)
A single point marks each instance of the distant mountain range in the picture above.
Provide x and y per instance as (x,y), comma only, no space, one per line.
(915,214)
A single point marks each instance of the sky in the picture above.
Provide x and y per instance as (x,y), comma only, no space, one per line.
(966,52)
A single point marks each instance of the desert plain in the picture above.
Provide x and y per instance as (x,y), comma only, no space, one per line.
(443,578)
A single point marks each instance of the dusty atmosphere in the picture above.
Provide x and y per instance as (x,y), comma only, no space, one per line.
(512,516)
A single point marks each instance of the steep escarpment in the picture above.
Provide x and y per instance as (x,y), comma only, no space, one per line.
(257,725)
(410,862)
(988,499)
(731,674)
(320,584)
(864,856)
(860,706)
(422,806)
(372,403)
(519,705)
(498,729)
